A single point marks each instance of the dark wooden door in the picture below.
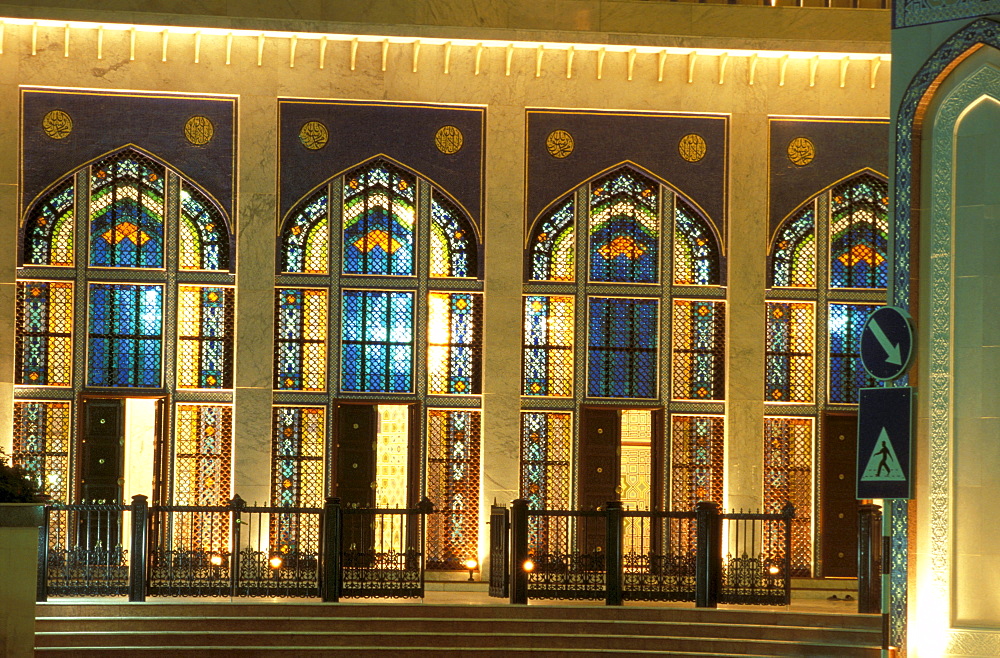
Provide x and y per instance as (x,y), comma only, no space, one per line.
(598,475)
(102,464)
(839,508)
(357,425)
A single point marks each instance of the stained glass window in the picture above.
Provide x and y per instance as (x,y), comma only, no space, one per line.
(846,372)
(125,335)
(696,251)
(453,245)
(377,341)
(379,220)
(455,343)
(48,231)
(204,240)
(548,345)
(300,327)
(859,233)
(789,352)
(305,239)
(697,460)
(44,348)
(453,487)
(553,245)
(297,476)
(622,347)
(126,212)
(546,446)
(699,349)
(204,337)
(793,258)
(41,445)
(788,478)
(624,228)
(202,474)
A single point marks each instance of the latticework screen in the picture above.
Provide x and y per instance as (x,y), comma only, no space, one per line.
(300,327)
(126,331)
(455,343)
(553,245)
(379,220)
(377,341)
(793,257)
(297,450)
(859,233)
(202,473)
(622,347)
(788,477)
(790,352)
(453,244)
(305,239)
(624,228)
(697,460)
(204,239)
(847,373)
(696,250)
(699,350)
(127,211)
(546,446)
(41,444)
(44,348)
(48,231)
(453,487)
(205,336)
(391,474)
(548,345)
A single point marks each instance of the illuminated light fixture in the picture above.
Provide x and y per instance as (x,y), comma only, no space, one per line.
(471,564)
(773,570)
(528,566)
(275,562)
(216,560)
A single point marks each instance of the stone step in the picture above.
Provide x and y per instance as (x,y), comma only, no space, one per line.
(244,651)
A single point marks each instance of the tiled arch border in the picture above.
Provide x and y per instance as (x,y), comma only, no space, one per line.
(909,123)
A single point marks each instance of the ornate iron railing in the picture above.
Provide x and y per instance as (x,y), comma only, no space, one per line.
(499,557)
(569,559)
(659,556)
(757,568)
(82,550)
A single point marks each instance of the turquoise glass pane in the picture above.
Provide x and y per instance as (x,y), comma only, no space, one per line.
(125,335)
(377,341)
(622,347)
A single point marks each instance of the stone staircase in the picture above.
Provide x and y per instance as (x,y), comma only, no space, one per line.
(249,629)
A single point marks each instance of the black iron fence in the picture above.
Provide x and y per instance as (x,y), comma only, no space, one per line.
(620,555)
(235,550)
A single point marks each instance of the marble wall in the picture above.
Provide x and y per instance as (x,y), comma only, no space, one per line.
(507,74)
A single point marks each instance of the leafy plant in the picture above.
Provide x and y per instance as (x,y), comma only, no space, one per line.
(17,485)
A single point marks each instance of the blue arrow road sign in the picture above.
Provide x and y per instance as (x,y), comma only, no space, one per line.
(885,454)
(887,343)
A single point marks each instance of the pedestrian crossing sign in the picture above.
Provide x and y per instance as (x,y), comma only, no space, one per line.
(883,466)
(885,429)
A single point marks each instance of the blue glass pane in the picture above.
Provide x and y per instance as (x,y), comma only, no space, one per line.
(126,212)
(125,335)
(622,347)
(847,374)
(377,341)
(379,220)
(624,228)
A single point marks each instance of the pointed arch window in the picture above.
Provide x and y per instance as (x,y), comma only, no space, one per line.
(379,220)
(859,233)
(127,212)
(624,228)
(49,230)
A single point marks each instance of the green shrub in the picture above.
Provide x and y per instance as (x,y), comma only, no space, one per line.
(17,485)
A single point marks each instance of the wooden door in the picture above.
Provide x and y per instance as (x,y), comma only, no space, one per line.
(599,461)
(102,450)
(839,508)
(357,425)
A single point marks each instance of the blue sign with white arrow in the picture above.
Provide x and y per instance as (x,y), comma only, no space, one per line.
(887,343)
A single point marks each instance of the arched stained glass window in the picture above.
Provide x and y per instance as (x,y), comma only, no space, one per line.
(624,228)
(552,245)
(305,240)
(793,257)
(696,251)
(48,233)
(379,220)
(127,211)
(204,240)
(453,245)
(859,233)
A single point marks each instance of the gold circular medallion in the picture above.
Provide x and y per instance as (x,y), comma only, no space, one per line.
(692,147)
(801,151)
(57,124)
(199,130)
(448,140)
(314,135)
(559,144)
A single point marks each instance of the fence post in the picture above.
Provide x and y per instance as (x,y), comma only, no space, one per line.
(869,559)
(709,554)
(518,551)
(42,586)
(333,525)
(137,551)
(788,512)
(613,559)
(236,506)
